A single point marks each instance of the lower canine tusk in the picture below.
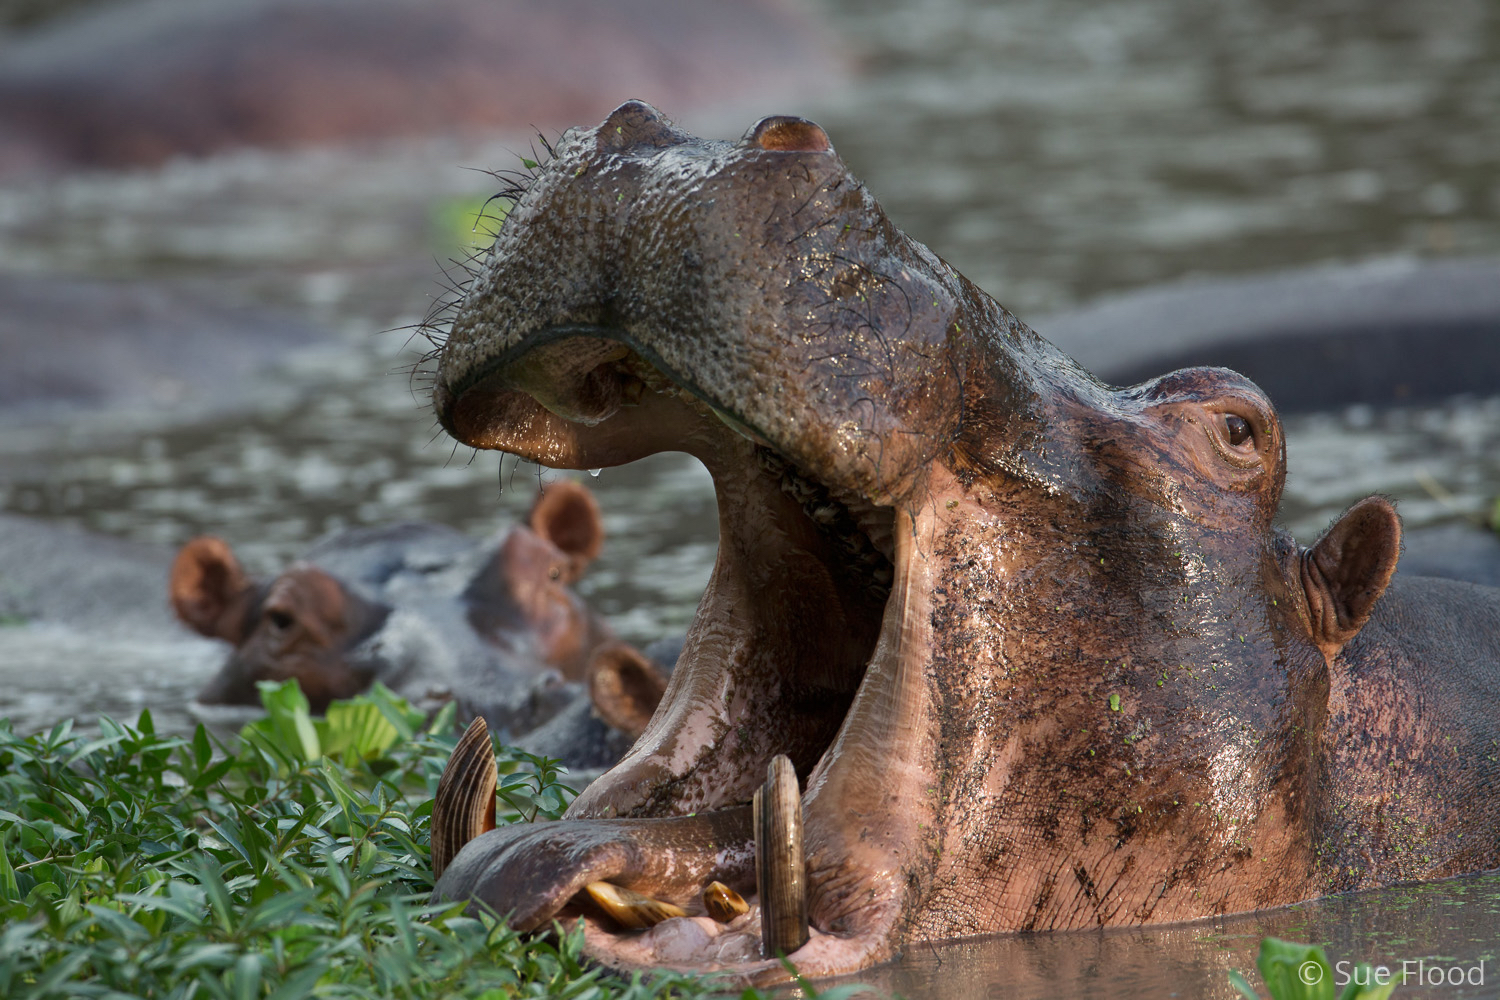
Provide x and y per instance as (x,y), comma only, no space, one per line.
(464,806)
(780,869)
(630,908)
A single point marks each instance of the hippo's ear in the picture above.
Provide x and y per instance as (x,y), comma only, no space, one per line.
(625,687)
(1344,574)
(209,588)
(567,515)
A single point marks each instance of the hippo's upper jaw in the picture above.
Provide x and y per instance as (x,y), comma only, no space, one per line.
(1031,643)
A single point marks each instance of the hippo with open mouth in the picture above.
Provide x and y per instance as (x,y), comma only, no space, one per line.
(1019,650)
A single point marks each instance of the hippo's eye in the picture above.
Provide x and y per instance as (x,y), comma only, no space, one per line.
(1236,429)
(280,620)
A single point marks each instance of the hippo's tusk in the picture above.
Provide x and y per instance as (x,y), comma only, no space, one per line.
(723,903)
(780,870)
(464,806)
(630,908)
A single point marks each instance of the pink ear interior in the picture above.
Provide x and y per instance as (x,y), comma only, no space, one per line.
(1347,570)
(567,515)
(625,687)
(205,584)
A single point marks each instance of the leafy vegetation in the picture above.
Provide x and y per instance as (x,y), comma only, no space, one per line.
(139,864)
(1301,972)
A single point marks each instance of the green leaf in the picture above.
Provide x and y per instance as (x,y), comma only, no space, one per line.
(300,983)
(1362,985)
(1295,971)
(288,727)
(9,888)
(91,747)
(403,716)
(1238,982)
(358,727)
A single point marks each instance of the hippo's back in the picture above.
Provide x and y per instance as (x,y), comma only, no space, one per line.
(369,558)
(1444,637)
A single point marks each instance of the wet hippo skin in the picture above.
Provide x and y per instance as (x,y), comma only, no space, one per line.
(434,616)
(1032,642)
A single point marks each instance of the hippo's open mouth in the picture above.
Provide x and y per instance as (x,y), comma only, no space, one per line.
(784,634)
(650,292)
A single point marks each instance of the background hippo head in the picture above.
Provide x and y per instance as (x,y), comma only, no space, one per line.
(1033,646)
(422,608)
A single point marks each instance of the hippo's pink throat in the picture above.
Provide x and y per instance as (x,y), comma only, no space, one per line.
(809,641)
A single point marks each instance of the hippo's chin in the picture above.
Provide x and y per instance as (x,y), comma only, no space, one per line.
(795,613)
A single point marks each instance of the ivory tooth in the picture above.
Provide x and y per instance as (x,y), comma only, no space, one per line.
(630,908)
(780,870)
(723,903)
(464,806)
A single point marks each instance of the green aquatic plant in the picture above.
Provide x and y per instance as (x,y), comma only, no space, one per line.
(143,864)
(1301,972)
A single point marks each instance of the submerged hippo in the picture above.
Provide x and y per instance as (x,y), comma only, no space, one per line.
(1031,643)
(434,616)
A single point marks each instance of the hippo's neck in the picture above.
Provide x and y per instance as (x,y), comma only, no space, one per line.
(1114,727)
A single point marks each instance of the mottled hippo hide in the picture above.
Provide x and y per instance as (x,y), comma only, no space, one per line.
(436,617)
(1032,643)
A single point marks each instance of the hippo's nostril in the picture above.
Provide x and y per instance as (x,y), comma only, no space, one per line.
(789,134)
(636,123)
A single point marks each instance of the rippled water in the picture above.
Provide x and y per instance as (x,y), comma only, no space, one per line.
(1057,149)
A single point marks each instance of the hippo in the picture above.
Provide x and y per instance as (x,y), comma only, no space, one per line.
(137,82)
(989,645)
(422,609)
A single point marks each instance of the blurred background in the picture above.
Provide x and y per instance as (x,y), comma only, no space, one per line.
(219,218)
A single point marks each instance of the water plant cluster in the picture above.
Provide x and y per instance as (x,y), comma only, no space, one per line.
(141,864)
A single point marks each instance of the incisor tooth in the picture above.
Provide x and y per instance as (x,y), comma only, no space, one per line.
(630,908)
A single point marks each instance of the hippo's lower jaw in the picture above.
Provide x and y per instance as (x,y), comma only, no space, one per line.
(810,641)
